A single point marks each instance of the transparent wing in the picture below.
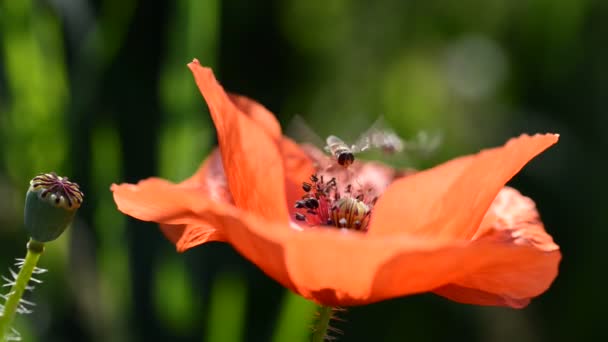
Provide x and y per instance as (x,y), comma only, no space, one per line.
(379,136)
(301,132)
(333,141)
(424,143)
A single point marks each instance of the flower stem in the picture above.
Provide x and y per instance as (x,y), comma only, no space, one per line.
(34,250)
(322,323)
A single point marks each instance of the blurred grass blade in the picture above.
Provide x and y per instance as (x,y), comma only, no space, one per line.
(227,309)
(294,322)
(185,134)
(175,299)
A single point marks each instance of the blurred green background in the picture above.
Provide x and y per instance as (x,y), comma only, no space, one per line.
(99,91)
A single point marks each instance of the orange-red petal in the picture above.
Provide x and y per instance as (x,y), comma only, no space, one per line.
(511,283)
(160,201)
(258,113)
(467,295)
(296,163)
(210,179)
(351,270)
(348,268)
(251,157)
(209,182)
(512,218)
(449,201)
(172,206)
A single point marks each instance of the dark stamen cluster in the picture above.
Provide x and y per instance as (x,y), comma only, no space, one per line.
(324,204)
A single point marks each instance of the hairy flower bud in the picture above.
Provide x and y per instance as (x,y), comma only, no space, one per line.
(50,205)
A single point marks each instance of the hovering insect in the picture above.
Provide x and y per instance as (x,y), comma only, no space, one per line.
(385,140)
(344,154)
(377,137)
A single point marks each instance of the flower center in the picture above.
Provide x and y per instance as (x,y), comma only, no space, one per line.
(324,204)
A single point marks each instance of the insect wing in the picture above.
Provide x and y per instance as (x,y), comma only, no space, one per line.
(339,152)
(379,136)
(334,143)
(299,130)
(425,143)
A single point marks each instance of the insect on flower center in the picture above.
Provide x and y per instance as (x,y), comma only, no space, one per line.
(350,212)
(323,204)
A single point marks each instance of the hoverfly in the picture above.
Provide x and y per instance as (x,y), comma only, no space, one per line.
(385,140)
(377,137)
(380,137)
(344,154)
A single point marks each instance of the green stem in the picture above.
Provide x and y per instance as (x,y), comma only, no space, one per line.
(320,327)
(34,250)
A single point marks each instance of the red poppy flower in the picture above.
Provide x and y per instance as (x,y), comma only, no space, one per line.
(454,230)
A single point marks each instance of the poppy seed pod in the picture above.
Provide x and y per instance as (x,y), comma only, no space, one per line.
(50,205)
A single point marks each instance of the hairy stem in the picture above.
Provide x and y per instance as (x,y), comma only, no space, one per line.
(322,323)
(34,250)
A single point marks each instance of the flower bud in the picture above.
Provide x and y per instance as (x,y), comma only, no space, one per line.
(50,205)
